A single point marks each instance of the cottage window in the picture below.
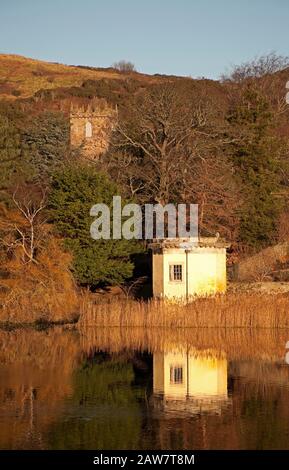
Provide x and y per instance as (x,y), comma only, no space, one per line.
(176,375)
(88,130)
(176,272)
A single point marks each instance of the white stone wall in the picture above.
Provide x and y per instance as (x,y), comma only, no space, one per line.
(204,272)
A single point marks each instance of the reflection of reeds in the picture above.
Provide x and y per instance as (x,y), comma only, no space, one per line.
(36,374)
(43,349)
(235,343)
(235,310)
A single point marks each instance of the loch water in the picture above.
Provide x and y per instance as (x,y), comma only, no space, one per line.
(133,389)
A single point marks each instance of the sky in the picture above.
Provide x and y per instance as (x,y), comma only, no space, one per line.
(197,38)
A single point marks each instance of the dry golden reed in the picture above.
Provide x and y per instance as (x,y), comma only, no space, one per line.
(242,310)
(39,291)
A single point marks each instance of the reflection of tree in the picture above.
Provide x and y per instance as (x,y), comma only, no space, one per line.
(104,412)
(29,414)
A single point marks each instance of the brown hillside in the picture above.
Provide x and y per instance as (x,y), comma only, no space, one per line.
(41,85)
(21,76)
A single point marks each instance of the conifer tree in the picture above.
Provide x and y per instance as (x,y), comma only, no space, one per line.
(74,191)
(257,156)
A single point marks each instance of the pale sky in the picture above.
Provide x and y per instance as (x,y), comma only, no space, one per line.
(181,37)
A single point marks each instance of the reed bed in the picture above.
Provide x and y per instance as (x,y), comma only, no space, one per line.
(242,310)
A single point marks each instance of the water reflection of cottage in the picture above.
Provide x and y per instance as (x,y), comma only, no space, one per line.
(185,381)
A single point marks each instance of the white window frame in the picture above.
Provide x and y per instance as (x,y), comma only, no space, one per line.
(172,272)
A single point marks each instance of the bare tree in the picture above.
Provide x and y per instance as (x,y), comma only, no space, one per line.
(170,150)
(261,73)
(212,186)
(261,66)
(130,288)
(124,167)
(124,66)
(159,134)
(23,230)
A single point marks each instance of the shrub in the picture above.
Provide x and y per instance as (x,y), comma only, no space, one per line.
(124,66)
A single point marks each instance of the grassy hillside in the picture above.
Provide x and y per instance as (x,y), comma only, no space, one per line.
(23,77)
(41,86)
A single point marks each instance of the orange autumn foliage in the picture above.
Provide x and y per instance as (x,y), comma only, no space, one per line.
(41,288)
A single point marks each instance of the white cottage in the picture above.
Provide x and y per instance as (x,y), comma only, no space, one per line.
(188,267)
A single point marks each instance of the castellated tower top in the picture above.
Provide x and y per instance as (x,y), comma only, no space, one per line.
(91,127)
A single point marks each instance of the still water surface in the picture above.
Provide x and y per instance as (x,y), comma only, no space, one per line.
(130,389)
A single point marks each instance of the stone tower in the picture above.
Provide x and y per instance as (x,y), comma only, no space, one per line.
(91,127)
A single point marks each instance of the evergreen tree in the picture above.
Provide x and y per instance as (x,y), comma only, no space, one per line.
(75,190)
(14,164)
(257,157)
(47,137)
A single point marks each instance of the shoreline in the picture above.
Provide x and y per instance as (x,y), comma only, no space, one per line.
(260,305)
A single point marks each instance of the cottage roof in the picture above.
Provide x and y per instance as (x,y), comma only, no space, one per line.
(189,243)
